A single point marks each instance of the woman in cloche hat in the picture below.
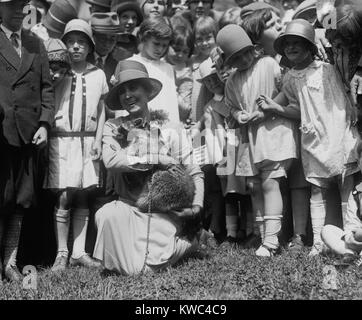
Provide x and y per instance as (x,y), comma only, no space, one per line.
(136,241)
(75,144)
(317,96)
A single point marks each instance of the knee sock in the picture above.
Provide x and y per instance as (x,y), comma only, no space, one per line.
(259,227)
(232,226)
(273,225)
(11,241)
(61,221)
(80,224)
(318,214)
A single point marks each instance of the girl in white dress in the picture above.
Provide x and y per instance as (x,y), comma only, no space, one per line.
(313,91)
(75,144)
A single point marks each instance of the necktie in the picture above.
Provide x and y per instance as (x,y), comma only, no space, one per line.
(99,63)
(14,41)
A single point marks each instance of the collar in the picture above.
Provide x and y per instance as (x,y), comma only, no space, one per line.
(96,56)
(8,32)
(218,97)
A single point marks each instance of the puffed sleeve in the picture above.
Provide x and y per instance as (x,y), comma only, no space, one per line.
(289,92)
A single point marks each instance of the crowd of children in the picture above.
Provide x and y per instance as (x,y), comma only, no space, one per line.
(268,98)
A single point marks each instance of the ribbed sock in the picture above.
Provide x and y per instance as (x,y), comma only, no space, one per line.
(61,222)
(273,225)
(318,214)
(11,241)
(232,226)
(80,224)
(259,227)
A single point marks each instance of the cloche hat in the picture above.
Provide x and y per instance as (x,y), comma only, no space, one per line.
(232,39)
(105,22)
(298,27)
(80,26)
(120,6)
(128,70)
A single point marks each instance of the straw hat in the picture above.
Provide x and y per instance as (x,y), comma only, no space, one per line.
(120,6)
(58,15)
(102,3)
(298,27)
(306,9)
(255,6)
(80,26)
(128,70)
(57,51)
(105,22)
(231,39)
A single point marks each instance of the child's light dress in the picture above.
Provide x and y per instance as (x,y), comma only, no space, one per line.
(328,142)
(271,142)
(74,130)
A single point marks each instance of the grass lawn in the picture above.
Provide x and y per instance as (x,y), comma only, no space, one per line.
(225,274)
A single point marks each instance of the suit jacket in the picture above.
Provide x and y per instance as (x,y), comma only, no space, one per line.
(26,91)
(109,66)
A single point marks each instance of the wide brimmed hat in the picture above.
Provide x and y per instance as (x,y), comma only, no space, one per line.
(255,6)
(206,69)
(58,15)
(128,70)
(105,22)
(57,51)
(232,39)
(102,3)
(120,6)
(298,27)
(79,25)
(306,9)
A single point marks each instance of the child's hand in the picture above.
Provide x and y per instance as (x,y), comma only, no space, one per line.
(96,150)
(242,117)
(265,103)
(257,117)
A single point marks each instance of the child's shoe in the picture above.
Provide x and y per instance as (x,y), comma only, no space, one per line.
(296,244)
(229,243)
(252,241)
(265,251)
(85,261)
(13,274)
(60,262)
(318,249)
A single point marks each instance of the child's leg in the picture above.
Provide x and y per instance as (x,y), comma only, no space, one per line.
(80,223)
(300,198)
(257,200)
(232,215)
(318,214)
(13,229)
(62,222)
(351,222)
(273,211)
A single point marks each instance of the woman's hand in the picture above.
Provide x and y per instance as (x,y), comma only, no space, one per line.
(188,213)
(256,117)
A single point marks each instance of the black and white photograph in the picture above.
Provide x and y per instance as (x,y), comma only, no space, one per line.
(180,155)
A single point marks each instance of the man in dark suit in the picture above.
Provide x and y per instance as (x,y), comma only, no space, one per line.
(27,99)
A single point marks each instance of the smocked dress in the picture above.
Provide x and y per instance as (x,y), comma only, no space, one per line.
(74,130)
(274,139)
(328,142)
